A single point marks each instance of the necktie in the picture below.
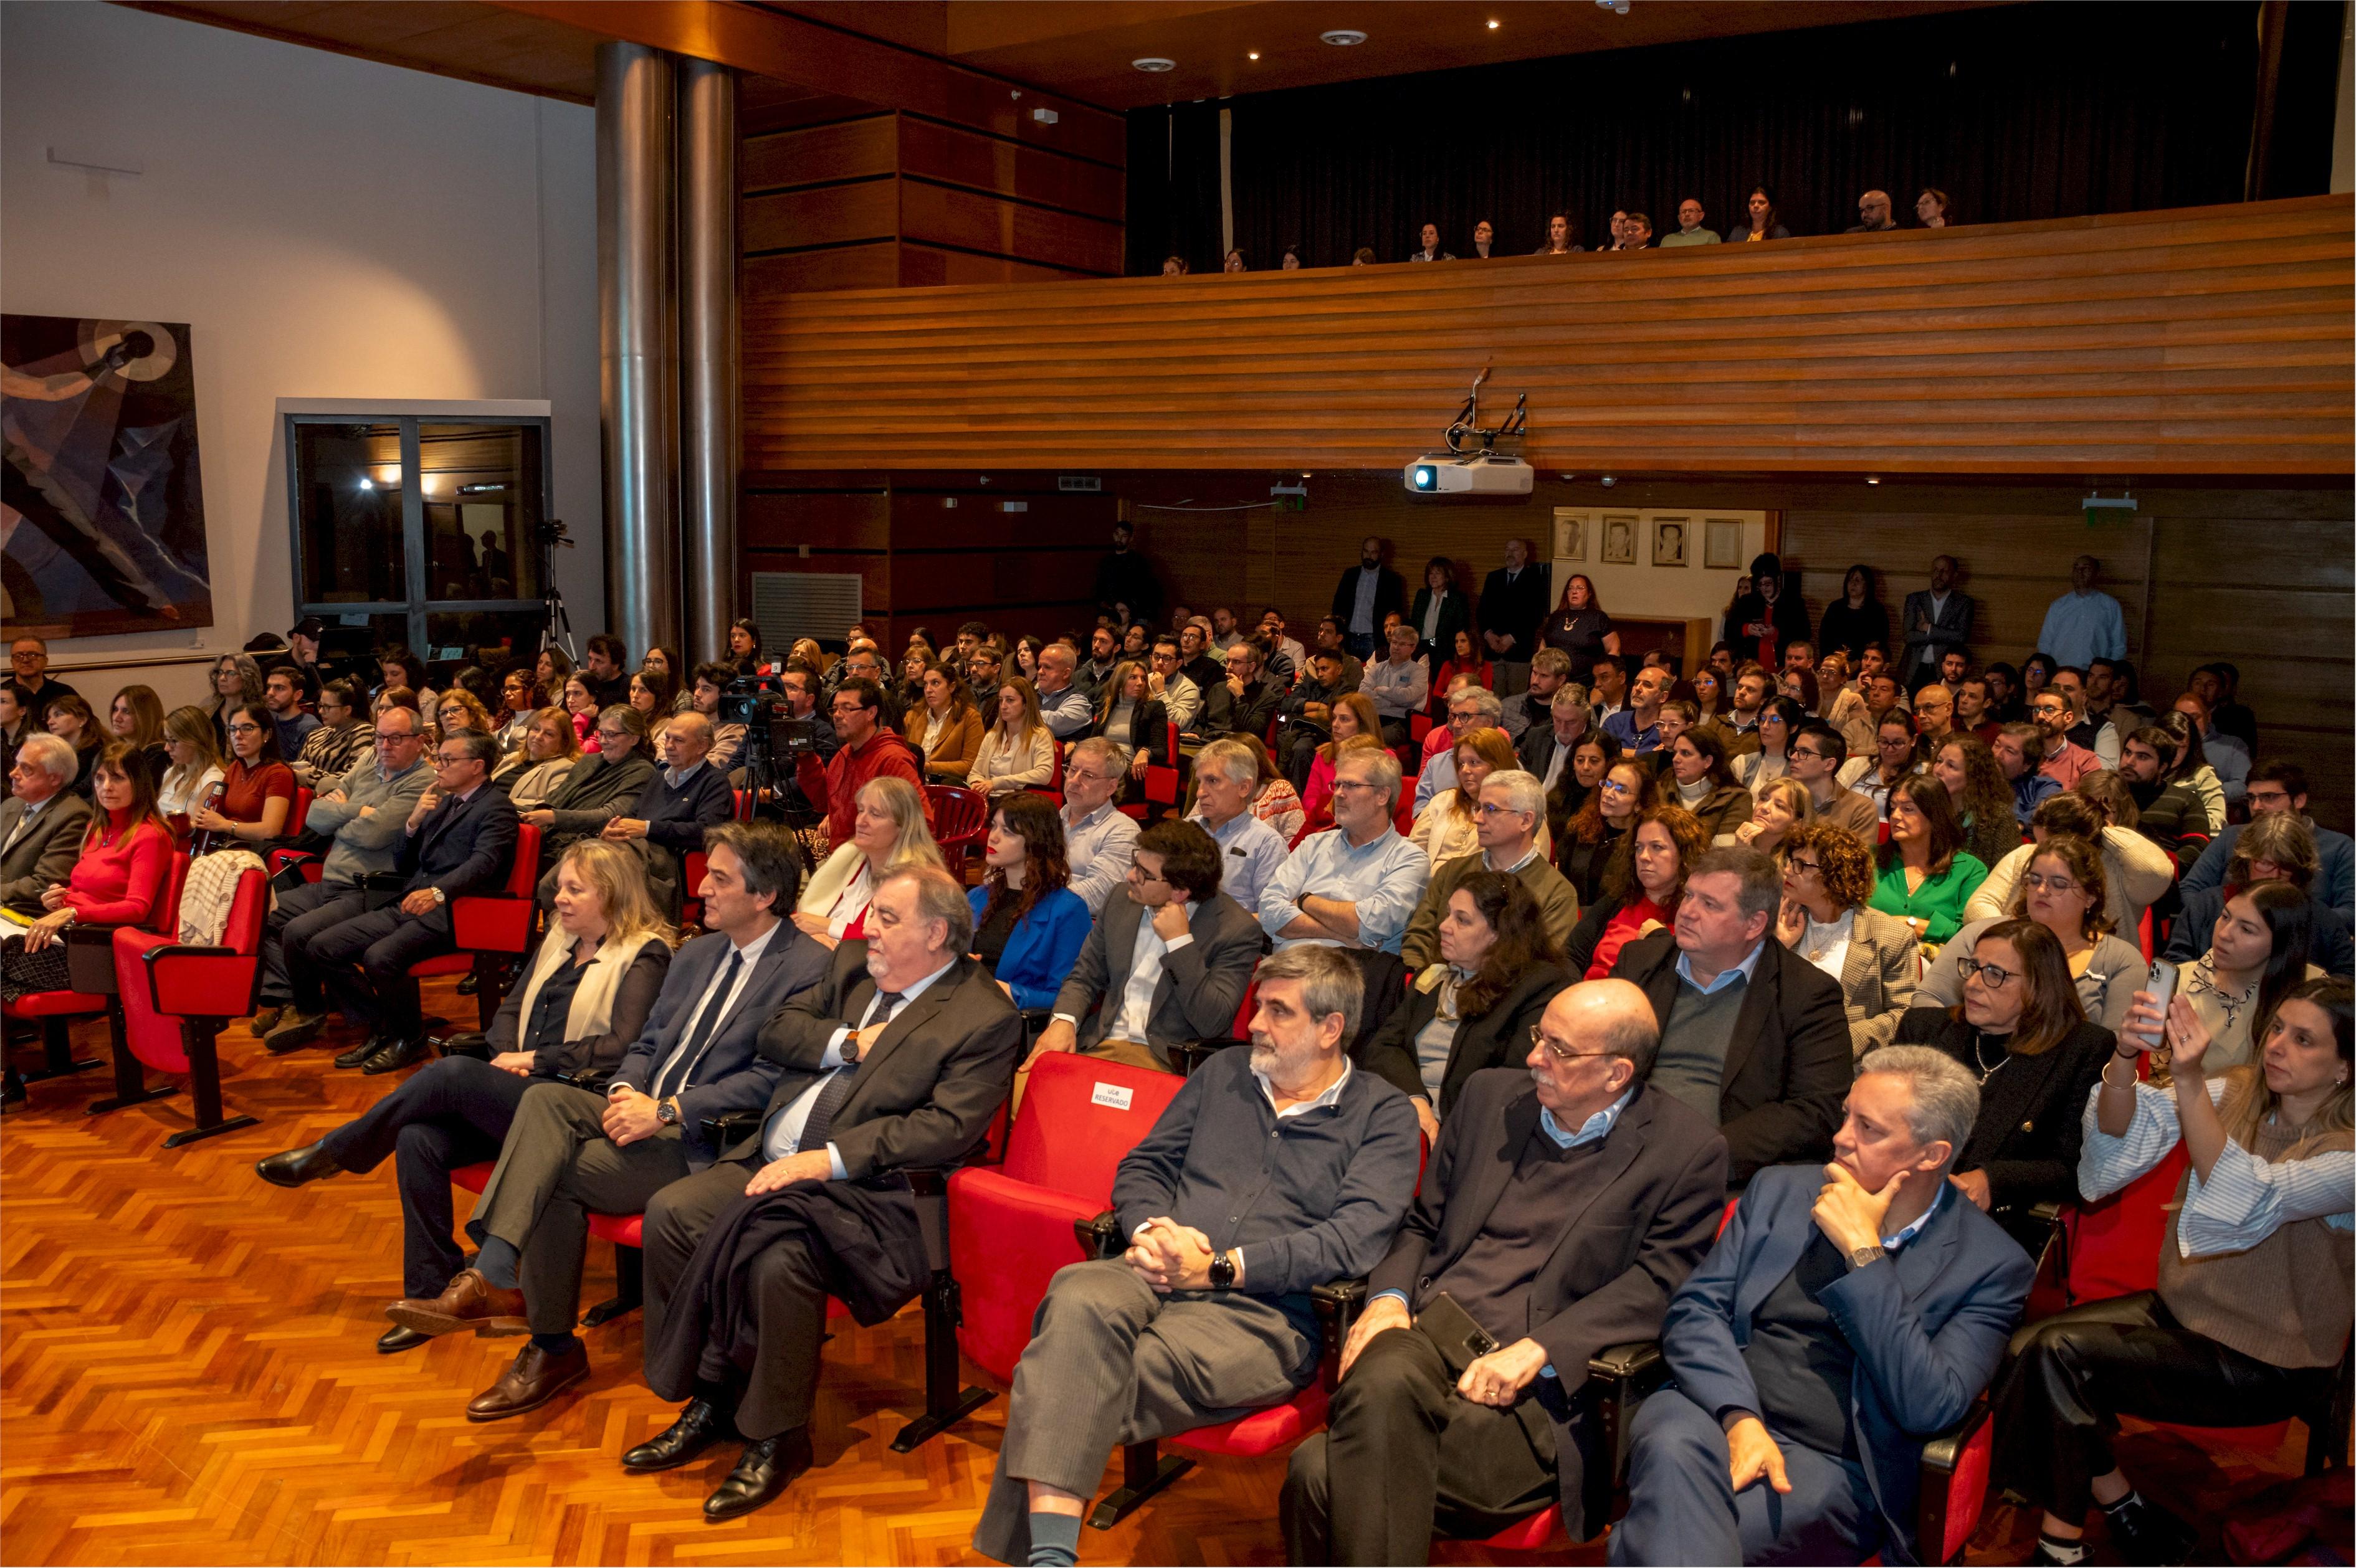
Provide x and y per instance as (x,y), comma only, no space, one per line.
(685,1056)
(839,1087)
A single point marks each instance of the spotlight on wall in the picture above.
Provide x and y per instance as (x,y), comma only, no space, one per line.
(1871,480)
(1609,481)
(1253,55)
(1493,24)
(367,482)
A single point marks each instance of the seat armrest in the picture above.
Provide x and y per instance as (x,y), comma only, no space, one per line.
(89,958)
(1100,1237)
(1189,1054)
(1939,1455)
(1621,1363)
(185,980)
(594,1078)
(723,1130)
(1337,1303)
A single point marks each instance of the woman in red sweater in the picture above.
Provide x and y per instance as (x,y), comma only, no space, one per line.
(124,859)
(258,790)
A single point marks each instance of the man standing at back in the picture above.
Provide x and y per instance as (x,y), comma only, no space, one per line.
(1366,593)
(1513,602)
(2085,624)
(1938,621)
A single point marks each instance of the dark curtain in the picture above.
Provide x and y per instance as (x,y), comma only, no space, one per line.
(1173,187)
(2016,112)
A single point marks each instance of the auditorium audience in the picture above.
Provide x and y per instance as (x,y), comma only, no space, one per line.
(1448,826)
(1699,780)
(2252,1311)
(135,716)
(117,874)
(1561,237)
(1239,1201)
(2065,889)
(1641,887)
(1354,727)
(944,726)
(1561,1206)
(257,789)
(1595,833)
(1513,603)
(1164,967)
(1274,801)
(2135,871)
(1027,922)
(1428,246)
(1168,685)
(1844,1315)
(583,1001)
(42,823)
(1510,837)
(281,693)
(888,834)
(70,719)
(1927,875)
(1400,683)
(1826,919)
(1356,885)
(2281,787)
(2277,846)
(1637,726)
(1227,773)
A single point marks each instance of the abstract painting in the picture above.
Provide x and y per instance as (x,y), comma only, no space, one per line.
(101,502)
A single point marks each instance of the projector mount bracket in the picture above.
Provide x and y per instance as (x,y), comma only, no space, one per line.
(1467,423)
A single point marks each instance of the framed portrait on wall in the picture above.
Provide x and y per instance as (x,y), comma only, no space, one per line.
(1570,535)
(1619,541)
(1670,547)
(1722,549)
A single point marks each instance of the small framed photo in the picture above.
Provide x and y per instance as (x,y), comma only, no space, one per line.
(1570,535)
(1669,547)
(1722,549)
(1619,541)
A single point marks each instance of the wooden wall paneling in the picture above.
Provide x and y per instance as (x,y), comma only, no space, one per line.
(930,266)
(956,156)
(2200,341)
(769,282)
(820,155)
(779,519)
(944,215)
(824,215)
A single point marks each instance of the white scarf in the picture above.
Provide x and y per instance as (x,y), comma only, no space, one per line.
(592,1013)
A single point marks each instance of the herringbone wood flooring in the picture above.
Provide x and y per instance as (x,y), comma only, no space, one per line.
(188,1375)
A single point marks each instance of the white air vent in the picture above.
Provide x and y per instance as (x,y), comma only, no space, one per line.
(789,605)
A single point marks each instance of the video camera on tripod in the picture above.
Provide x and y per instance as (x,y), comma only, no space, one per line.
(775,745)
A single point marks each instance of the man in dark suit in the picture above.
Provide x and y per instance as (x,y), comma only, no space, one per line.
(573,1151)
(1244,700)
(1165,964)
(899,1058)
(1938,622)
(1366,593)
(460,838)
(1513,602)
(41,823)
(1847,1314)
(1562,1205)
(1753,1035)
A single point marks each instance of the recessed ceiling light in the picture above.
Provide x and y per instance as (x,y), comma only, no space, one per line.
(1254,55)
(1343,38)
(1871,480)
(1156,64)
(1492,24)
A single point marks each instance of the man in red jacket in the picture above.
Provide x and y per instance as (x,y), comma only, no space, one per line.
(868,752)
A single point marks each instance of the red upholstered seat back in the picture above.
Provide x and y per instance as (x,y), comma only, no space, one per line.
(1080,1116)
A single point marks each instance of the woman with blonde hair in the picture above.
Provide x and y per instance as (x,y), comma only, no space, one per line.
(585,998)
(552,749)
(461,710)
(1447,826)
(237,679)
(1019,751)
(1776,808)
(1355,719)
(196,765)
(888,832)
(943,725)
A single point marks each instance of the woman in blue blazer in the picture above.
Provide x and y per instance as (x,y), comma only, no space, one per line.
(1027,926)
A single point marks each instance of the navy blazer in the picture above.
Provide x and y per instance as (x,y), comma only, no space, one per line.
(730,1074)
(465,847)
(1928,1324)
(1043,946)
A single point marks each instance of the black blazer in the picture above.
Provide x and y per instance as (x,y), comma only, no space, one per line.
(1455,616)
(1390,595)
(1514,609)
(2029,1128)
(465,847)
(1647,1217)
(1498,1038)
(1149,728)
(1224,714)
(1788,1067)
(1582,866)
(930,1083)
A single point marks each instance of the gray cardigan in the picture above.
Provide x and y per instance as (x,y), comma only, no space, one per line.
(2114,973)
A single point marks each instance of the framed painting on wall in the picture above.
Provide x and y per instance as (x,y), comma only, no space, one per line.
(1619,541)
(1722,549)
(1669,543)
(1570,535)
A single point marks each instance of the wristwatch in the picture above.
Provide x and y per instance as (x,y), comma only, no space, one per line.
(1864,1255)
(1223,1270)
(667,1112)
(439,896)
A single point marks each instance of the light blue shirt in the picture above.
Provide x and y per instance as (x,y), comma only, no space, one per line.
(1066,713)
(1385,878)
(1438,773)
(1891,1243)
(1098,847)
(785,1134)
(1250,853)
(1724,978)
(2082,628)
(1596,1126)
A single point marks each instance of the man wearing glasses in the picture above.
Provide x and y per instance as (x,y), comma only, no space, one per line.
(28,672)
(1357,886)
(1506,823)
(1816,755)
(362,814)
(1099,839)
(868,750)
(1563,1204)
(460,838)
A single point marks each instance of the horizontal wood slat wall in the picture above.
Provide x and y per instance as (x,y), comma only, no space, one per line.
(2198,341)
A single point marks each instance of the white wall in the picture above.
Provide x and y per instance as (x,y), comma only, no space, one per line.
(329,228)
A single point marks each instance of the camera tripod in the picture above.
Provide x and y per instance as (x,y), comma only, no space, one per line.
(557,631)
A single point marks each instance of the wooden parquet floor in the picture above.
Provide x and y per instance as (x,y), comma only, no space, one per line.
(187,1374)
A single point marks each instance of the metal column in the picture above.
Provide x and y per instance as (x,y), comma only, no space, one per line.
(638,343)
(708,409)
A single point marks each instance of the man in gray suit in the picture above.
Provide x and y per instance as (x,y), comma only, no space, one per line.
(1168,964)
(41,825)
(1938,622)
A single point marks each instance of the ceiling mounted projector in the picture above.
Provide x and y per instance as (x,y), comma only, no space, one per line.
(1480,474)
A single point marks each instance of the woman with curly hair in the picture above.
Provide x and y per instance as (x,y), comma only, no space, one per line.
(1982,794)
(1028,924)
(2066,891)
(1827,878)
(1640,888)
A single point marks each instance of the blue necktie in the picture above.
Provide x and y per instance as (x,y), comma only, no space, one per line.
(684,1058)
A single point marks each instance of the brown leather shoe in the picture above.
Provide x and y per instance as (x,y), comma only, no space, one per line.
(470,1301)
(536,1377)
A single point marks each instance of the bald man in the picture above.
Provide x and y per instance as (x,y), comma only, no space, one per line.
(1563,1205)
(686,796)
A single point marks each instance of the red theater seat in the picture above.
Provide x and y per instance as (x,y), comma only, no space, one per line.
(90,962)
(491,928)
(177,998)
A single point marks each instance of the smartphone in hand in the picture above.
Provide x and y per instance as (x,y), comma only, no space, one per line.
(2161,985)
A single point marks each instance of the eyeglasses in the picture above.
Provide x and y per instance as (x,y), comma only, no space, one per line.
(1798,752)
(1341,784)
(246,729)
(1811,867)
(1487,809)
(1538,1037)
(1613,786)
(2049,884)
(449,760)
(603,734)
(1993,977)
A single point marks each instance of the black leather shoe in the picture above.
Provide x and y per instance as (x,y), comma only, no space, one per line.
(364,1050)
(761,1477)
(297,1166)
(467,982)
(2141,1532)
(398,1054)
(699,1426)
(395,1339)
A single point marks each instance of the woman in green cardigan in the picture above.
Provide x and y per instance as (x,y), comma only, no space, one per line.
(1926,874)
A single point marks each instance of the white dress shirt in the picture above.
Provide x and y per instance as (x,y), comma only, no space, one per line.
(750,953)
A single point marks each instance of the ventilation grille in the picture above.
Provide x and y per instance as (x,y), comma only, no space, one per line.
(789,605)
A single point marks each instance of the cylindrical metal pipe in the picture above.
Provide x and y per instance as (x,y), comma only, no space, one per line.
(708,416)
(637,342)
